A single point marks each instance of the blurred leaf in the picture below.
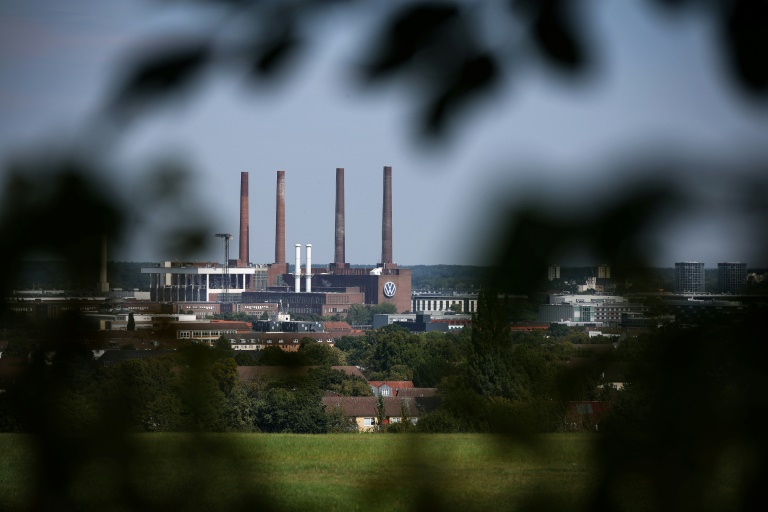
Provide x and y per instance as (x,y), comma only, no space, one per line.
(475,76)
(554,29)
(745,28)
(557,37)
(674,3)
(186,241)
(159,76)
(410,31)
(273,56)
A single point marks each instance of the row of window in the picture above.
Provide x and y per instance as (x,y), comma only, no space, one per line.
(259,340)
(203,334)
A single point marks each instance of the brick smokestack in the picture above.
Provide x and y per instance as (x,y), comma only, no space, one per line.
(386,219)
(244,257)
(280,219)
(339,256)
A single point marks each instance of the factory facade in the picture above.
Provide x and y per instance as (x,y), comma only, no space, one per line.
(335,289)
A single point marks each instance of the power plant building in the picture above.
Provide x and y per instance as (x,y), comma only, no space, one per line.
(314,290)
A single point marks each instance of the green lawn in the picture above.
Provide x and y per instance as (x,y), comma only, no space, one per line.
(291,472)
(294,472)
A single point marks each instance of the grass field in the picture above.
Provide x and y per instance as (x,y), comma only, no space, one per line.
(170,472)
(294,472)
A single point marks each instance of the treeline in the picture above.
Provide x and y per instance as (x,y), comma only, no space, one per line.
(195,390)
(441,278)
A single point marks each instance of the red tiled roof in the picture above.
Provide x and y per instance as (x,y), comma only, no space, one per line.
(337,326)
(394,384)
(365,406)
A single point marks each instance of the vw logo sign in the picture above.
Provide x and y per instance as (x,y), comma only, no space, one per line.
(389,289)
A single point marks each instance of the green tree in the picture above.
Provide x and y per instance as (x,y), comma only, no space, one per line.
(381,414)
(338,423)
(358,350)
(222,346)
(313,353)
(359,314)
(328,379)
(385,308)
(245,359)
(395,349)
(297,411)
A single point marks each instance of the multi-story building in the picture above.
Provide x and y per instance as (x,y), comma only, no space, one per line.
(731,277)
(601,309)
(553,272)
(203,282)
(436,303)
(689,277)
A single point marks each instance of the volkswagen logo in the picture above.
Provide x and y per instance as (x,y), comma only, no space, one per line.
(389,289)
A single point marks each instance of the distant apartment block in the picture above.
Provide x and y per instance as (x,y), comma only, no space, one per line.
(731,277)
(553,272)
(689,277)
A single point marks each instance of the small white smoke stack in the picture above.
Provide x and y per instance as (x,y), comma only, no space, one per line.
(297,272)
(308,272)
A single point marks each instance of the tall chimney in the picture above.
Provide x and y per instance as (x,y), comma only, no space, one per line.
(103,284)
(280,219)
(339,256)
(297,271)
(386,220)
(308,271)
(244,233)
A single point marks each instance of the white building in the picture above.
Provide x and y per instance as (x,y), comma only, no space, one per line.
(176,282)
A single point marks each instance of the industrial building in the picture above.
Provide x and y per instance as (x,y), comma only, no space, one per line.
(335,288)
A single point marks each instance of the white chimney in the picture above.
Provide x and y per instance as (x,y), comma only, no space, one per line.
(309,268)
(297,272)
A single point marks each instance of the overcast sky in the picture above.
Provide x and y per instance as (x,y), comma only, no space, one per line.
(658,88)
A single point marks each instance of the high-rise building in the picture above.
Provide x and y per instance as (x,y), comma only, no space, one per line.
(553,272)
(604,271)
(731,277)
(689,277)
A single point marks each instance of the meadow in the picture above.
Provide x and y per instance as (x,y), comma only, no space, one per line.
(296,472)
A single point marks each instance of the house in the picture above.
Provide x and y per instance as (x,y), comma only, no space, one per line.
(584,415)
(387,388)
(363,410)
